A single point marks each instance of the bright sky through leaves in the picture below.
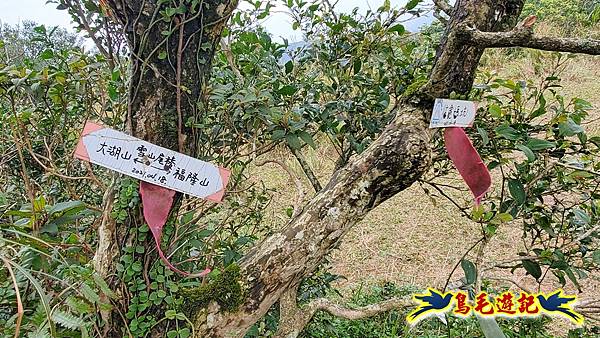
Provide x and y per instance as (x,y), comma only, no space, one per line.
(278,24)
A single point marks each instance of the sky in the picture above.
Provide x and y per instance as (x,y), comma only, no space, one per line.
(278,24)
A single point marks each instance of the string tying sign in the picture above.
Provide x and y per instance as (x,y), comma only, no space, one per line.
(162,172)
(454,115)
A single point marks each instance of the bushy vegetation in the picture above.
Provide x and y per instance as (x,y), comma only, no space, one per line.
(571,13)
(336,90)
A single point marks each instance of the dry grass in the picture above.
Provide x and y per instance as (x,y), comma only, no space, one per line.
(412,239)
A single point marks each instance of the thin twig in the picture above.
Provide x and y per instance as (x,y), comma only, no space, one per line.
(20,310)
(299,187)
(180,140)
(312,178)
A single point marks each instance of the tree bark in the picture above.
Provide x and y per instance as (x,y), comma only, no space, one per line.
(524,37)
(395,161)
(170,66)
(392,163)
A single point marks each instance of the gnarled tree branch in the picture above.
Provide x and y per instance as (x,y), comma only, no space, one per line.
(440,17)
(393,162)
(444,6)
(523,37)
(294,319)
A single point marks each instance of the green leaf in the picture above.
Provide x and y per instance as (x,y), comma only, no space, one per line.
(581,218)
(41,29)
(537,144)
(484,135)
(103,286)
(19,213)
(533,268)
(530,155)
(491,229)
(162,55)
(39,204)
(385,7)
(184,333)
(289,66)
(67,320)
(84,332)
(77,305)
(495,110)
(293,141)
(412,4)
(595,140)
(357,65)
(66,206)
(170,314)
(307,138)
(278,134)
(50,228)
(517,191)
(38,288)
(502,218)
(89,294)
(398,29)
(570,128)
(541,109)
(490,327)
(573,279)
(507,132)
(47,54)
(596,257)
(288,90)
(470,270)
(116,75)
(137,267)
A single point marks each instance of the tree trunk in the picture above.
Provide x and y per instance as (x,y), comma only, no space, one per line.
(170,65)
(167,84)
(399,157)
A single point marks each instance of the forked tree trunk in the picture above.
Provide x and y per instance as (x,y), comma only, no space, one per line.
(399,157)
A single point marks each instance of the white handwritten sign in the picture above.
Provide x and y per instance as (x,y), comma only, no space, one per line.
(452,113)
(148,162)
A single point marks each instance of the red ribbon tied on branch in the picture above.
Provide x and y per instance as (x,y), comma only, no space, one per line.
(157,202)
(468,162)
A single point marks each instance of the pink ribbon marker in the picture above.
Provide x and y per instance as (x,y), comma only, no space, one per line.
(157,202)
(468,162)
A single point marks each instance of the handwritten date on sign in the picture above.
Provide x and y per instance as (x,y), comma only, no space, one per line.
(151,163)
(452,113)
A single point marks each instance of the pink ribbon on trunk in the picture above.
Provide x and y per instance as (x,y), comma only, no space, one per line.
(157,202)
(468,162)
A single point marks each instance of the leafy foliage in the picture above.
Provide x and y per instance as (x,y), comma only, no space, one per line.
(571,12)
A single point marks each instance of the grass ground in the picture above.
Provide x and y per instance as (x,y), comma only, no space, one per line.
(412,239)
